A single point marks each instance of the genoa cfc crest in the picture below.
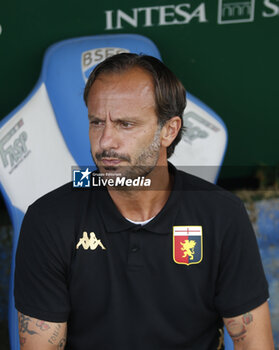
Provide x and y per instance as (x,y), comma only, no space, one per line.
(187,244)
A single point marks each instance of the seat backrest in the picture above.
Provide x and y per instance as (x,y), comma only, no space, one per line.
(202,148)
(44,137)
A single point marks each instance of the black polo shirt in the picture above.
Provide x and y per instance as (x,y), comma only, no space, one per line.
(123,286)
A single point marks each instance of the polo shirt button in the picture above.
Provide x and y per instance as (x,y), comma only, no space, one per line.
(134,249)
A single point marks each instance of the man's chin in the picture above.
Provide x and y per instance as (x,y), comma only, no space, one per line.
(136,171)
(105,168)
(109,171)
(110,168)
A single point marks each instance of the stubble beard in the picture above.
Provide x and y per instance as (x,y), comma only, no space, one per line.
(144,164)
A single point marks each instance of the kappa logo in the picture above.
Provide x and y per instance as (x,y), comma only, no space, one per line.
(91,243)
(187,244)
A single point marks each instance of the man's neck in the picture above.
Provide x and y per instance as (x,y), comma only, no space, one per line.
(141,205)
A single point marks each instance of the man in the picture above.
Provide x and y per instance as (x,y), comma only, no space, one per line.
(130,268)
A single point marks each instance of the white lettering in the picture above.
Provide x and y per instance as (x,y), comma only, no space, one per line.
(271,6)
(147,182)
(133,21)
(128,182)
(97,180)
(120,181)
(163,15)
(14,152)
(110,182)
(95,56)
(184,14)
(148,14)
(136,182)
(87,59)
(109,20)
(200,13)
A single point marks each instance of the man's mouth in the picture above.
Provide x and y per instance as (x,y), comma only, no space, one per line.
(111,161)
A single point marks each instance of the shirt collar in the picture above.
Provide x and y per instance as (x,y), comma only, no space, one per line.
(162,223)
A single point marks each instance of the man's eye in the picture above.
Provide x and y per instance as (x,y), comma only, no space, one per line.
(96,122)
(126,124)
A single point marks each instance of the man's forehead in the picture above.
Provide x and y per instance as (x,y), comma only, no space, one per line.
(130,75)
(129,83)
(121,96)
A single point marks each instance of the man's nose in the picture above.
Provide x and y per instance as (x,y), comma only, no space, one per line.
(109,138)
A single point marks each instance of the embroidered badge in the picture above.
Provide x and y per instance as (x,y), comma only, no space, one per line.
(187,244)
(91,242)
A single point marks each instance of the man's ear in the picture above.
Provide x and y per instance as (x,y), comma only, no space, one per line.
(170,130)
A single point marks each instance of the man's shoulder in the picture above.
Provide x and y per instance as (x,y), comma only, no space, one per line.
(210,192)
(62,199)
